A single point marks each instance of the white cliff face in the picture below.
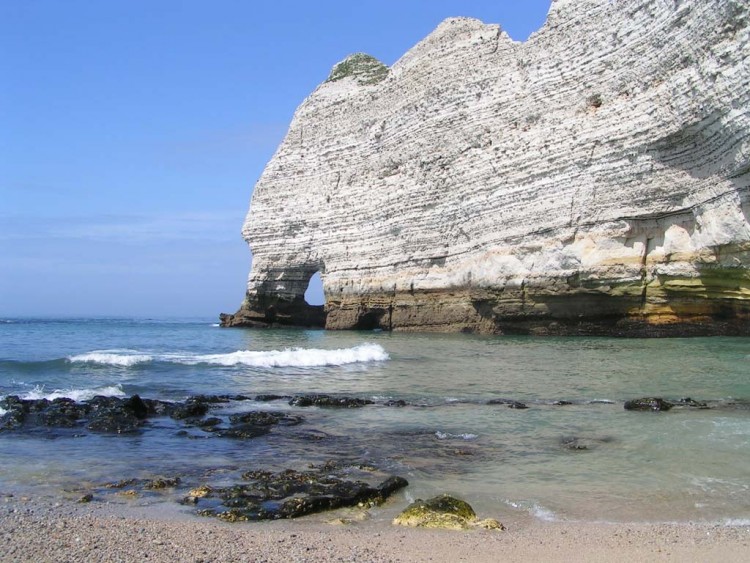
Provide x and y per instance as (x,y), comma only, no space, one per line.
(598,172)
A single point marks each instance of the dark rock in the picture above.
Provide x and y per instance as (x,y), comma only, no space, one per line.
(561,403)
(158,408)
(209,423)
(61,414)
(189,409)
(88,497)
(136,406)
(115,421)
(391,485)
(265,418)
(688,402)
(269,398)
(395,403)
(291,494)
(15,416)
(648,404)
(101,402)
(328,401)
(510,403)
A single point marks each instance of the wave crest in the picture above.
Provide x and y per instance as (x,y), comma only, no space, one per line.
(75,394)
(290,357)
(297,357)
(124,358)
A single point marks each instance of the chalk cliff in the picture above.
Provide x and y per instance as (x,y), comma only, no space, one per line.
(594,179)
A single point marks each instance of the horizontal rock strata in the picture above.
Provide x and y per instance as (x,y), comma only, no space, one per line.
(594,179)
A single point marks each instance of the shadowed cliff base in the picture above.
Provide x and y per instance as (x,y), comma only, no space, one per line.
(667,307)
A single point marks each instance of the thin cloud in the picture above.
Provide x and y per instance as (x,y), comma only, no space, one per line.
(215,226)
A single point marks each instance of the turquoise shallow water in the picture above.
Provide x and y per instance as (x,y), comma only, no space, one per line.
(682,465)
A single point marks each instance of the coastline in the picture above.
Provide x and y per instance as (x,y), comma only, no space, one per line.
(45,529)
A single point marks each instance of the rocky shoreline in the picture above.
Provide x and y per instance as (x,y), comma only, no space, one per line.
(253,492)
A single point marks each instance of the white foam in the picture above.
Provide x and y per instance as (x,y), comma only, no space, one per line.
(290,357)
(537,511)
(293,357)
(447,436)
(543,514)
(124,358)
(76,394)
(2,411)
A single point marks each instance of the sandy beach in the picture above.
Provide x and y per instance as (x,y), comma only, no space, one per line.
(44,529)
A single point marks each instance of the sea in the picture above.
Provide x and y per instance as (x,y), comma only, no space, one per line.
(441,415)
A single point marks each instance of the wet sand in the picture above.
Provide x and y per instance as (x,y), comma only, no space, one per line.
(44,529)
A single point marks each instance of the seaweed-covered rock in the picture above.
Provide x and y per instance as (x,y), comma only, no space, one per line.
(63,413)
(443,511)
(101,402)
(328,401)
(162,483)
(648,404)
(114,420)
(290,494)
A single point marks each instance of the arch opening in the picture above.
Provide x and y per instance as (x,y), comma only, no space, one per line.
(314,293)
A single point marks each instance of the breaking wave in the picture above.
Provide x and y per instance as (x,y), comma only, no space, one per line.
(76,394)
(297,357)
(290,357)
(124,358)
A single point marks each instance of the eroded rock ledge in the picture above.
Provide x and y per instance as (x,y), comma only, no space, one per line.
(592,180)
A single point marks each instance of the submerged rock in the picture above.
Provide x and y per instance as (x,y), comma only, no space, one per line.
(510,403)
(162,483)
(443,511)
(244,431)
(328,401)
(648,404)
(266,418)
(268,398)
(688,402)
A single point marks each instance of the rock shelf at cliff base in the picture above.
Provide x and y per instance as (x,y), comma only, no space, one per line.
(594,179)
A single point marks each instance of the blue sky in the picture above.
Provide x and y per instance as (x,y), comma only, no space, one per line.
(132,133)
